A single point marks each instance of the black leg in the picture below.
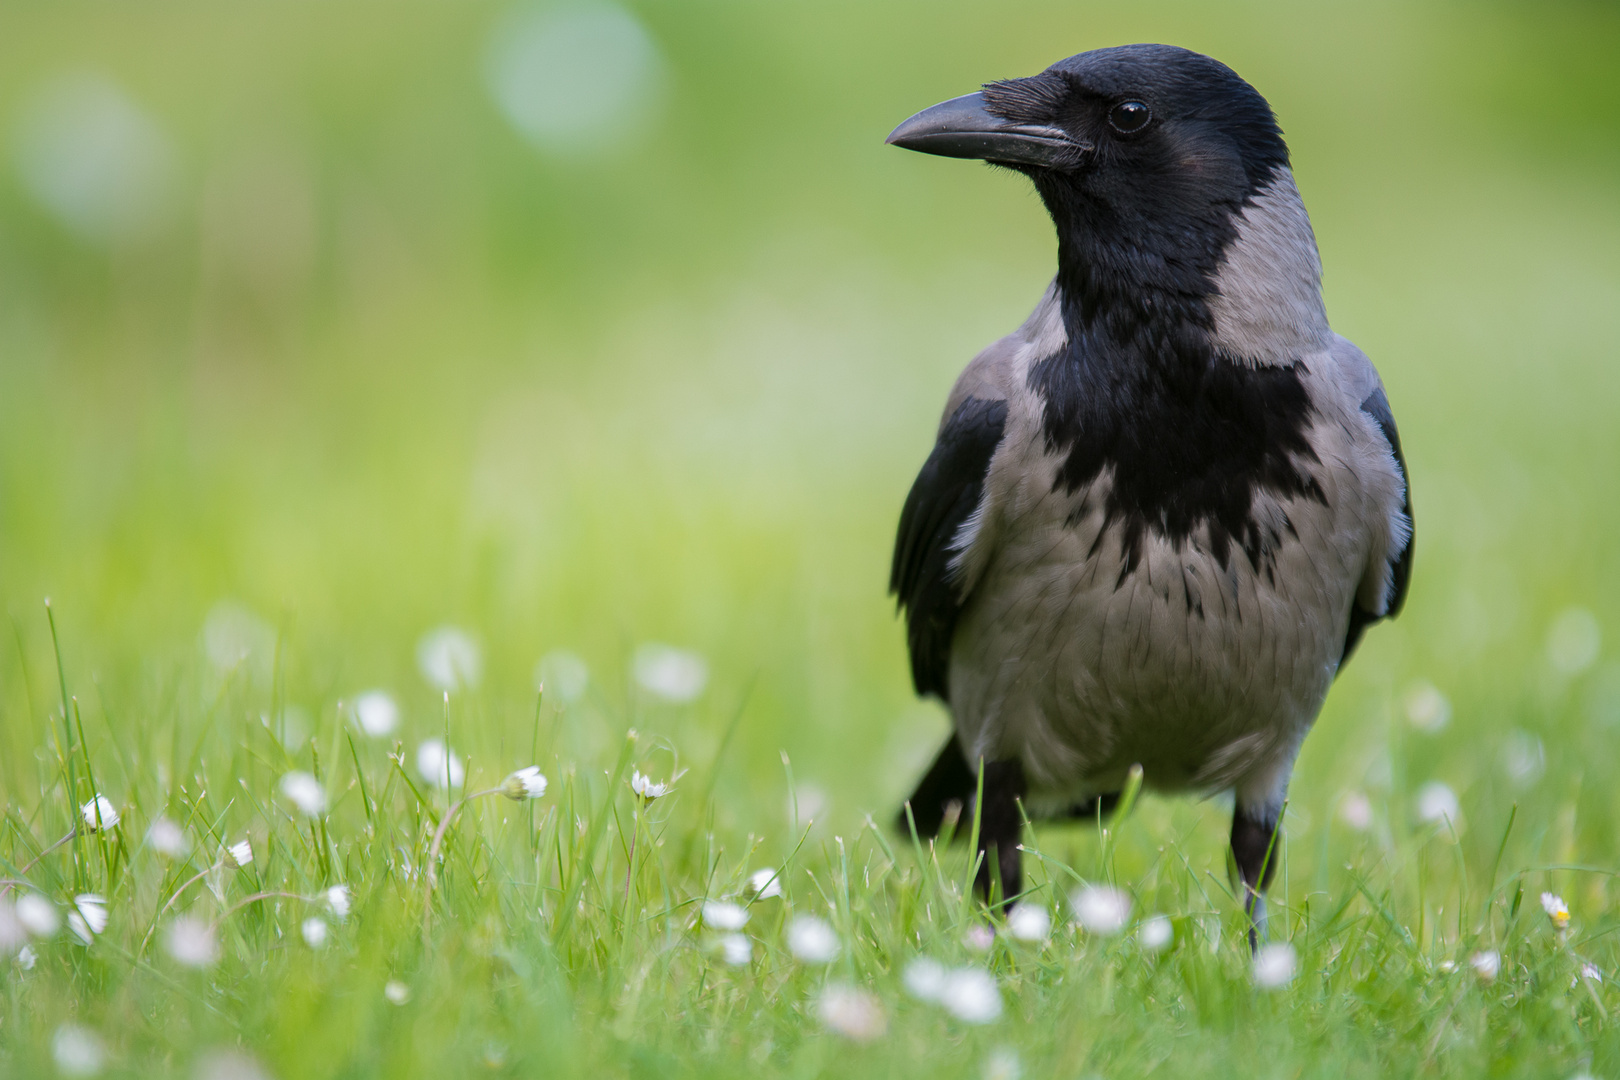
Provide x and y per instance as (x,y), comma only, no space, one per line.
(1254,849)
(941,794)
(1000,824)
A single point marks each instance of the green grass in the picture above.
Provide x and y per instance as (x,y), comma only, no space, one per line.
(375,365)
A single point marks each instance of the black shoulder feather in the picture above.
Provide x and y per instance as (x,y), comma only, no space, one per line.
(944,496)
(1376,406)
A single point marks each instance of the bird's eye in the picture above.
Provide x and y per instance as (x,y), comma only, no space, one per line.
(1129,117)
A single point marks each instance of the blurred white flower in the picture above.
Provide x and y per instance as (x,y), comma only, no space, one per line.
(38,915)
(574,79)
(563,676)
(766,883)
(167,838)
(924,979)
(1029,922)
(1487,964)
(979,937)
(1437,803)
(1426,707)
(229,1065)
(1003,1064)
(1557,911)
(854,1014)
(648,789)
(26,957)
(676,675)
(805,804)
(338,898)
(376,713)
(233,635)
(305,792)
(1155,933)
(812,940)
(1447,966)
(438,766)
(94,158)
(12,931)
(88,916)
(449,659)
(77,1051)
(971,994)
(724,915)
(240,854)
(1101,909)
(1274,965)
(314,930)
(396,992)
(1355,810)
(527,783)
(1523,758)
(191,942)
(737,949)
(1590,973)
(99,813)
(1574,640)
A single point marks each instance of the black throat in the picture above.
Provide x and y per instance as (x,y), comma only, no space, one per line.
(1187,436)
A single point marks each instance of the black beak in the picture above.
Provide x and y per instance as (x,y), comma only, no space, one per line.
(963,128)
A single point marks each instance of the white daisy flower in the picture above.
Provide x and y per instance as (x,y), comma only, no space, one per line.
(314,930)
(38,915)
(766,883)
(1356,811)
(1029,922)
(854,1014)
(1437,803)
(924,979)
(1155,933)
(167,838)
(88,917)
(527,783)
(970,994)
(376,713)
(1487,964)
(1590,973)
(77,1051)
(240,854)
(1101,909)
(99,813)
(338,899)
(436,764)
(26,958)
(305,792)
(1426,707)
(449,659)
(737,949)
(647,789)
(1275,965)
(191,942)
(979,937)
(396,992)
(724,915)
(1556,910)
(675,675)
(812,940)
(1003,1064)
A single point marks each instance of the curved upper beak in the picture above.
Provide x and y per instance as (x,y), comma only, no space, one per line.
(964,128)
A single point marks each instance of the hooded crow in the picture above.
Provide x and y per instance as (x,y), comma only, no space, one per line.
(1160,514)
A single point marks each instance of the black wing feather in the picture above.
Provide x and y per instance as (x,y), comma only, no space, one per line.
(945,494)
(1376,406)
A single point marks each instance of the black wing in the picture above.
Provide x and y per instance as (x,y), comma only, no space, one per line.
(946,493)
(1377,406)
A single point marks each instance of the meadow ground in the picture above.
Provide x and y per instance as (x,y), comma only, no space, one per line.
(358,343)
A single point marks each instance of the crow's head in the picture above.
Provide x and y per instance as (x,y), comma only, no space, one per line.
(1145,155)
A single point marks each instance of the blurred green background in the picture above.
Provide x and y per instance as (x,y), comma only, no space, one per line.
(586,326)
